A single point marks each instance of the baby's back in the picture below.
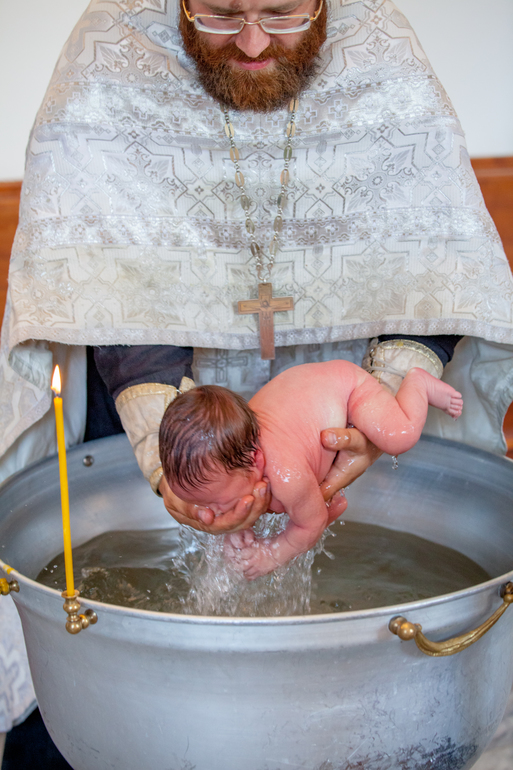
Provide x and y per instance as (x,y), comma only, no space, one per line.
(295,407)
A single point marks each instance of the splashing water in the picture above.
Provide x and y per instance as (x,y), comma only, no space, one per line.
(395,463)
(217,588)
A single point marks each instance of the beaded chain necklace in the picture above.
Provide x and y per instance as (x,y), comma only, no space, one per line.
(266,305)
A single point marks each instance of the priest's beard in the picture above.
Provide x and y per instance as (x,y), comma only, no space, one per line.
(258,90)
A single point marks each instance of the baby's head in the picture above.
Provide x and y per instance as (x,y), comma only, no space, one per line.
(209,447)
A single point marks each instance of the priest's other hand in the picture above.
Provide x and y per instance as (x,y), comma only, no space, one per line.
(244,515)
(355,453)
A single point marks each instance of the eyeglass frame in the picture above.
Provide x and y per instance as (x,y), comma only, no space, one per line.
(285,31)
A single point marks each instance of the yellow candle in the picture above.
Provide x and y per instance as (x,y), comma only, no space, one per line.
(63,474)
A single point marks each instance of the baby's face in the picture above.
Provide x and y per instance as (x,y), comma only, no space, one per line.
(222,494)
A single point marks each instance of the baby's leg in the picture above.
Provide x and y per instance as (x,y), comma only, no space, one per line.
(395,424)
(417,383)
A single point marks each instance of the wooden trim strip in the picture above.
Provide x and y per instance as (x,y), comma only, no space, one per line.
(9,190)
(490,173)
(486,168)
(505,161)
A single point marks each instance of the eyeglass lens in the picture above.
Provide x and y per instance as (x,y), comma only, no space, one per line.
(270,25)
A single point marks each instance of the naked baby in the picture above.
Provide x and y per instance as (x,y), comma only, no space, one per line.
(214,446)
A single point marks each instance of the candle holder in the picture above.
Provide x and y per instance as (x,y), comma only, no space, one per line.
(75,622)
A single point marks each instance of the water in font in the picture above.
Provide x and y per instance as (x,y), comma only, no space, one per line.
(356,566)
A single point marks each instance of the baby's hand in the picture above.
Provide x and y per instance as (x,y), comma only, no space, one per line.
(240,540)
(252,557)
(238,547)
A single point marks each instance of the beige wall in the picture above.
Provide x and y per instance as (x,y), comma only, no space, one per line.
(469,43)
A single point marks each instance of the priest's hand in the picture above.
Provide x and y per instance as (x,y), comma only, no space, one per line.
(355,453)
(244,515)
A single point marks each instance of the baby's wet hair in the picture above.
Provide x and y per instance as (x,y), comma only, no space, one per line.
(204,429)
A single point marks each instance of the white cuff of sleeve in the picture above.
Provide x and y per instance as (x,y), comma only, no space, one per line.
(390,361)
(140,409)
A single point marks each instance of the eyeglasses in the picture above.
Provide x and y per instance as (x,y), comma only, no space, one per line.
(231,25)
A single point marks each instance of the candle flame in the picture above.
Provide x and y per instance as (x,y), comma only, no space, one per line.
(56,381)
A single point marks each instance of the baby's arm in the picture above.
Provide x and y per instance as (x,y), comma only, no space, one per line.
(395,424)
(308,519)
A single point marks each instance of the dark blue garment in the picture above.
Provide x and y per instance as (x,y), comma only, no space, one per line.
(121,366)
(442,345)
(113,368)
(102,418)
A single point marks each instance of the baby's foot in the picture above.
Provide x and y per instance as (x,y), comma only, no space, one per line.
(444,397)
(440,394)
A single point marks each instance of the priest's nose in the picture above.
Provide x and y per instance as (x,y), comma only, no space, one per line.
(252,41)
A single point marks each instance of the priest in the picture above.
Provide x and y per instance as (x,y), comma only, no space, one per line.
(219,190)
(184,160)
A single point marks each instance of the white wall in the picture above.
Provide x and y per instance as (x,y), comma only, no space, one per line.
(32,33)
(470,45)
(469,42)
